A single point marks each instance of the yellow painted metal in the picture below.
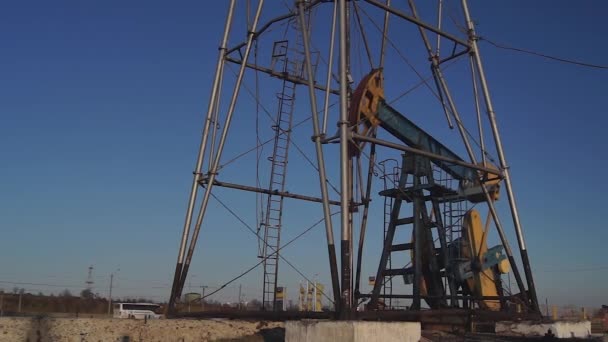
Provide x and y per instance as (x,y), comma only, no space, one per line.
(475,245)
(492,182)
(504,267)
(373,93)
(364,106)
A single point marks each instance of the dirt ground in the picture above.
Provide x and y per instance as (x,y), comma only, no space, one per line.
(47,329)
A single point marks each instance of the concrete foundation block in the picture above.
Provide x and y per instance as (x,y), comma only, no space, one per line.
(561,329)
(357,331)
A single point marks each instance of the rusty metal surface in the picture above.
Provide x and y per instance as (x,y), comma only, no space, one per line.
(462,317)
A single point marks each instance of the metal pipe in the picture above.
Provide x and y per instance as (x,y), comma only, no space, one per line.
(320,159)
(482,144)
(501,156)
(269,23)
(423,153)
(441,99)
(201,155)
(366,201)
(214,168)
(465,140)
(439,20)
(272,192)
(363,36)
(346,295)
(329,68)
(384,35)
(408,296)
(417,207)
(437,75)
(455,55)
(280,75)
(463,135)
(418,22)
(261,30)
(216,115)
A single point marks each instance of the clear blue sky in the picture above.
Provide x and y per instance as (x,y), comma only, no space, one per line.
(101,105)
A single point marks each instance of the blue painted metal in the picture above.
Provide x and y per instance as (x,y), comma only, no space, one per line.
(413,136)
(492,257)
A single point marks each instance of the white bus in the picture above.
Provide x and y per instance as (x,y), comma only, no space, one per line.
(136,310)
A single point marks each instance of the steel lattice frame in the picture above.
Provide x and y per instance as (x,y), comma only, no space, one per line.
(239,54)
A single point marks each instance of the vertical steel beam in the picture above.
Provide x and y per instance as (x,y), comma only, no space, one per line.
(471,154)
(418,227)
(434,58)
(220,148)
(346,295)
(384,35)
(330,64)
(201,154)
(439,20)
(501,157)
(320,159)
(366,201)
(388,239)
(440,84)
(482,143)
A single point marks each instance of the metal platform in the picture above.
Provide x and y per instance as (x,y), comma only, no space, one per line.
(435,190)
(444,319)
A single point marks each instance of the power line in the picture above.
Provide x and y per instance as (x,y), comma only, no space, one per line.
(589,269)
(39,284)
(275,252)
(539,54)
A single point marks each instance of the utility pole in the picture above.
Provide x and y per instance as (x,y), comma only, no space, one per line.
(110,293)
(203,287)
(89,283)
(240,287)
(20,295)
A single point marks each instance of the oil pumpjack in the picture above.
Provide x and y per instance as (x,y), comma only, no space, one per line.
(439,254)
(436,199)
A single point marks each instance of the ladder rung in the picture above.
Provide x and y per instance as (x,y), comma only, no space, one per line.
(398,271)
(403,221)
(402,247)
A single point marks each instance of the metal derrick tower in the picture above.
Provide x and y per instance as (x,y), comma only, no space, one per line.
(443,260)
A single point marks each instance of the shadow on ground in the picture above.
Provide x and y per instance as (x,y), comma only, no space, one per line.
(264,335)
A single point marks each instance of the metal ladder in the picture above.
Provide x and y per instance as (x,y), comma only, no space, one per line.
(272,221)
(453,218)
(390,177)
(420,191)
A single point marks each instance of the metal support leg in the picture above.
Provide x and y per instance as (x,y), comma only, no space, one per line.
(418,227)
(444,87)
(388,242)
(445,257)
(216,162)
(201,156)
(366,201)
(345,255)
(320,159)
(501,157)
(330,63)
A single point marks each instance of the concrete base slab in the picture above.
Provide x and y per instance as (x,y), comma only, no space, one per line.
(357,331)
(561,329)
